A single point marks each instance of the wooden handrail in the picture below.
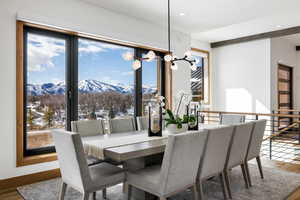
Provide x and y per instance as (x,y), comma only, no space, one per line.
(281,131)
(254,114)
(287,110)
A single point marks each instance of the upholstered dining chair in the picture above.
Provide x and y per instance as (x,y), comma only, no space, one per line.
(122,125)
(255,146)
(86,128)
(178,170)
(238,151)
(74,169)
(142,123)
(214,157)
(228,119)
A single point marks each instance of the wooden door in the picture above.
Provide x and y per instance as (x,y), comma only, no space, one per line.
(285,93)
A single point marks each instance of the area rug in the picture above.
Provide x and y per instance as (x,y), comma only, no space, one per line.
(277,185)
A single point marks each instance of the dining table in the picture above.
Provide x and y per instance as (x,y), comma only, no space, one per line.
(135,150)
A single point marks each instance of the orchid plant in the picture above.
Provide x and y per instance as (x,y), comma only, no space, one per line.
(184,99)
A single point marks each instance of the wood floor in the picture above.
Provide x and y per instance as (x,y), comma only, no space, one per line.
(12,194)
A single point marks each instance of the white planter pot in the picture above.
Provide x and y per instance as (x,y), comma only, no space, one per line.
(172,128)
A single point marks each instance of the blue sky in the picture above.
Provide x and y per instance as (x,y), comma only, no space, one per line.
(99,61)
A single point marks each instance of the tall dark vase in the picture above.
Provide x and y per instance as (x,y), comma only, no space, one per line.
(196,127)
(153,133)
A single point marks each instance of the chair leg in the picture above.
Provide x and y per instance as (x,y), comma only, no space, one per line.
(222,179)
(85,196)
(62,191)
(200,188)
(226,176)
(195,192)
(260,167)
(104,196)
(248,173)
(129,191)
(245,175)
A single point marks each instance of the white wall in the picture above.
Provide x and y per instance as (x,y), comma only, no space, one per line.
(241,77)
(284,52)
(78,16)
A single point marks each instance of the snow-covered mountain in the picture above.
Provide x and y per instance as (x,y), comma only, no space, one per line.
(84,86)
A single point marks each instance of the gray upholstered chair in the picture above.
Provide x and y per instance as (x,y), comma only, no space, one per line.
(74,169)
(179,167)
(122,125)
(142,123)
(238,151)
(255,146)
(87,128)
(228,119)
(214,157)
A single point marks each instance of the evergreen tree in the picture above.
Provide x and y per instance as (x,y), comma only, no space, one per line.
(48,116)
(30,119)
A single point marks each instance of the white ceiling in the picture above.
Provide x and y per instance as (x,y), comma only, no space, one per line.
(212,20)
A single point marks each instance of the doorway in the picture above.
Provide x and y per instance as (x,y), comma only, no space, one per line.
(285,93)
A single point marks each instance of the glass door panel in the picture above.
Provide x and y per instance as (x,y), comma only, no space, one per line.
(45,88)
(150,81)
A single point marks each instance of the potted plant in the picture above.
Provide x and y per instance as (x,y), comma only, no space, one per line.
(176,124)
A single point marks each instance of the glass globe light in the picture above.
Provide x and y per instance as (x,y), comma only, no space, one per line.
(128,56)
(188,54)
(168,58)
(193,67)
(174,66)
(136,64)
(151,56)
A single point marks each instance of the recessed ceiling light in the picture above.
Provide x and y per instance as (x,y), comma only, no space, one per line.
(181,14)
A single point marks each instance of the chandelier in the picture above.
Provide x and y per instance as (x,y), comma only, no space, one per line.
(168,58)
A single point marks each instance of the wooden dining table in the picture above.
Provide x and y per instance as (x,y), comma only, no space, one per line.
(134,154)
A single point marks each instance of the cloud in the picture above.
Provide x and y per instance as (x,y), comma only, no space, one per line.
(129,73)
(42,50)
(90,46)
(108,79)
(90,49)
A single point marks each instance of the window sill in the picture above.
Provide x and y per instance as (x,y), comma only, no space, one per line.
(30,160)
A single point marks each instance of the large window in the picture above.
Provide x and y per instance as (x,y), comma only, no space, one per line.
(67,78)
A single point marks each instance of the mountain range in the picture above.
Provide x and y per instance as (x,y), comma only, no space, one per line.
(84,86)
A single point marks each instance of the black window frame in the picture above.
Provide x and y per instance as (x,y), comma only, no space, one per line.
(71,79)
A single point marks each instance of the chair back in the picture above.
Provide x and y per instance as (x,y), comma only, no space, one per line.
(256,139)
(142,123)
(228,119)
(239,144)
(122,125)
(71,158)
(88,127)
(215,152)
(181,161)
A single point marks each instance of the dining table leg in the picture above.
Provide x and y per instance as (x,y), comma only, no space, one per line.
(140,163)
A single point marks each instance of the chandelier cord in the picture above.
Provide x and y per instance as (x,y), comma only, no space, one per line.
(169,28)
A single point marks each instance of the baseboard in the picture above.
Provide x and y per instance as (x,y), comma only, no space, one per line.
(28,179)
